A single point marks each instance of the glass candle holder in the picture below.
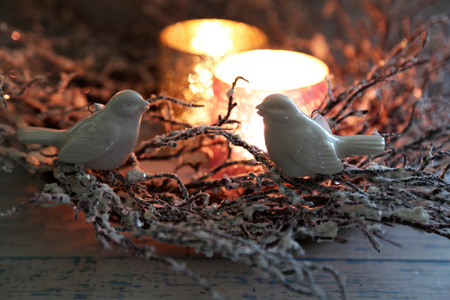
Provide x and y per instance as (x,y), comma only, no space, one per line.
(189,51)
(299,76)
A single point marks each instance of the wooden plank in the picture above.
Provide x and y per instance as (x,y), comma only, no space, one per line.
(131,278)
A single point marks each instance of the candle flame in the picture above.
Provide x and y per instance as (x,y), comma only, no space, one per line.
(212,38)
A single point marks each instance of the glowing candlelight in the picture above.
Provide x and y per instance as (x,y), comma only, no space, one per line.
(212,38)
(189,51)
(299,76)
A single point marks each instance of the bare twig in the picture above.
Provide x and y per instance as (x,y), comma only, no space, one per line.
(231,104)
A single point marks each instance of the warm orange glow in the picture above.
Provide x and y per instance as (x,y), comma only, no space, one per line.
(189,51)
(417,92)
(299,76)
(15,35)
(273,70)
(211,37)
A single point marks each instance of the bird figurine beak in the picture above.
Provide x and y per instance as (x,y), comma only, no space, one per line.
(260,109)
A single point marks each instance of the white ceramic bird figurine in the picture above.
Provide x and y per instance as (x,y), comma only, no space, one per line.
(301,146)
(102,141)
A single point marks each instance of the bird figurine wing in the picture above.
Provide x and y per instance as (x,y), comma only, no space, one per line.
(317,154)
(89,142)
(319,119)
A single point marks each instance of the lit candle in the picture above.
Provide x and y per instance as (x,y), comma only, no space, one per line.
(189,51)
(299,76)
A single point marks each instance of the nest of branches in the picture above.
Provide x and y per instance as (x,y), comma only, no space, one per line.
(256,216)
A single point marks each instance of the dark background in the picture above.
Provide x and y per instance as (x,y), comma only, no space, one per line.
(120,38)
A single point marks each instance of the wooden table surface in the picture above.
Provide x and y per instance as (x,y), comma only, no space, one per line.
(46,254)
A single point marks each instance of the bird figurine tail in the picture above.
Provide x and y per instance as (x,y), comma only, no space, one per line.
(360,145)
(40,135)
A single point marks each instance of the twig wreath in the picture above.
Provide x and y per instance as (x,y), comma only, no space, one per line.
(257,216)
